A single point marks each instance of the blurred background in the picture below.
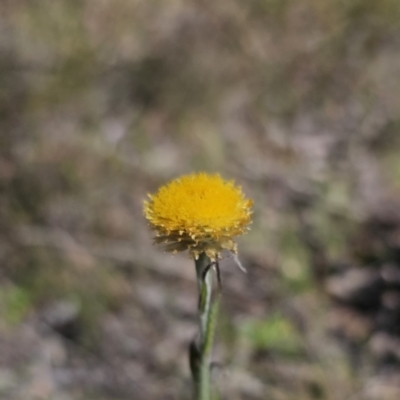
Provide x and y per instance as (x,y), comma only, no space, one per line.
(102,101)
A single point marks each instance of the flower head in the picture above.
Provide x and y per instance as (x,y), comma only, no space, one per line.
(198,212)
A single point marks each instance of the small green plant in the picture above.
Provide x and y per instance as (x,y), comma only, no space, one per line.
(15,303)
(275,333)
(200,213)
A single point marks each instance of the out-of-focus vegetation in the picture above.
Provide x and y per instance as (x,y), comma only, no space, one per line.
(101,101)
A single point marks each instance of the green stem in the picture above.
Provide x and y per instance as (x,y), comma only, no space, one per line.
(200,351)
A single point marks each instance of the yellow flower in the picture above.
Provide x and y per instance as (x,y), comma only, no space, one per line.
(199,212)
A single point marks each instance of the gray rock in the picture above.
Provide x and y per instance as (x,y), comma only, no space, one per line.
(360,287)
(385,347)
(63,317)
(391,300)
(391,275)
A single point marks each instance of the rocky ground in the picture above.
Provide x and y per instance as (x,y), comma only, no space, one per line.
(103,101)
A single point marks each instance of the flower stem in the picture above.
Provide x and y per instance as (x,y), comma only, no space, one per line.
(200,350)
